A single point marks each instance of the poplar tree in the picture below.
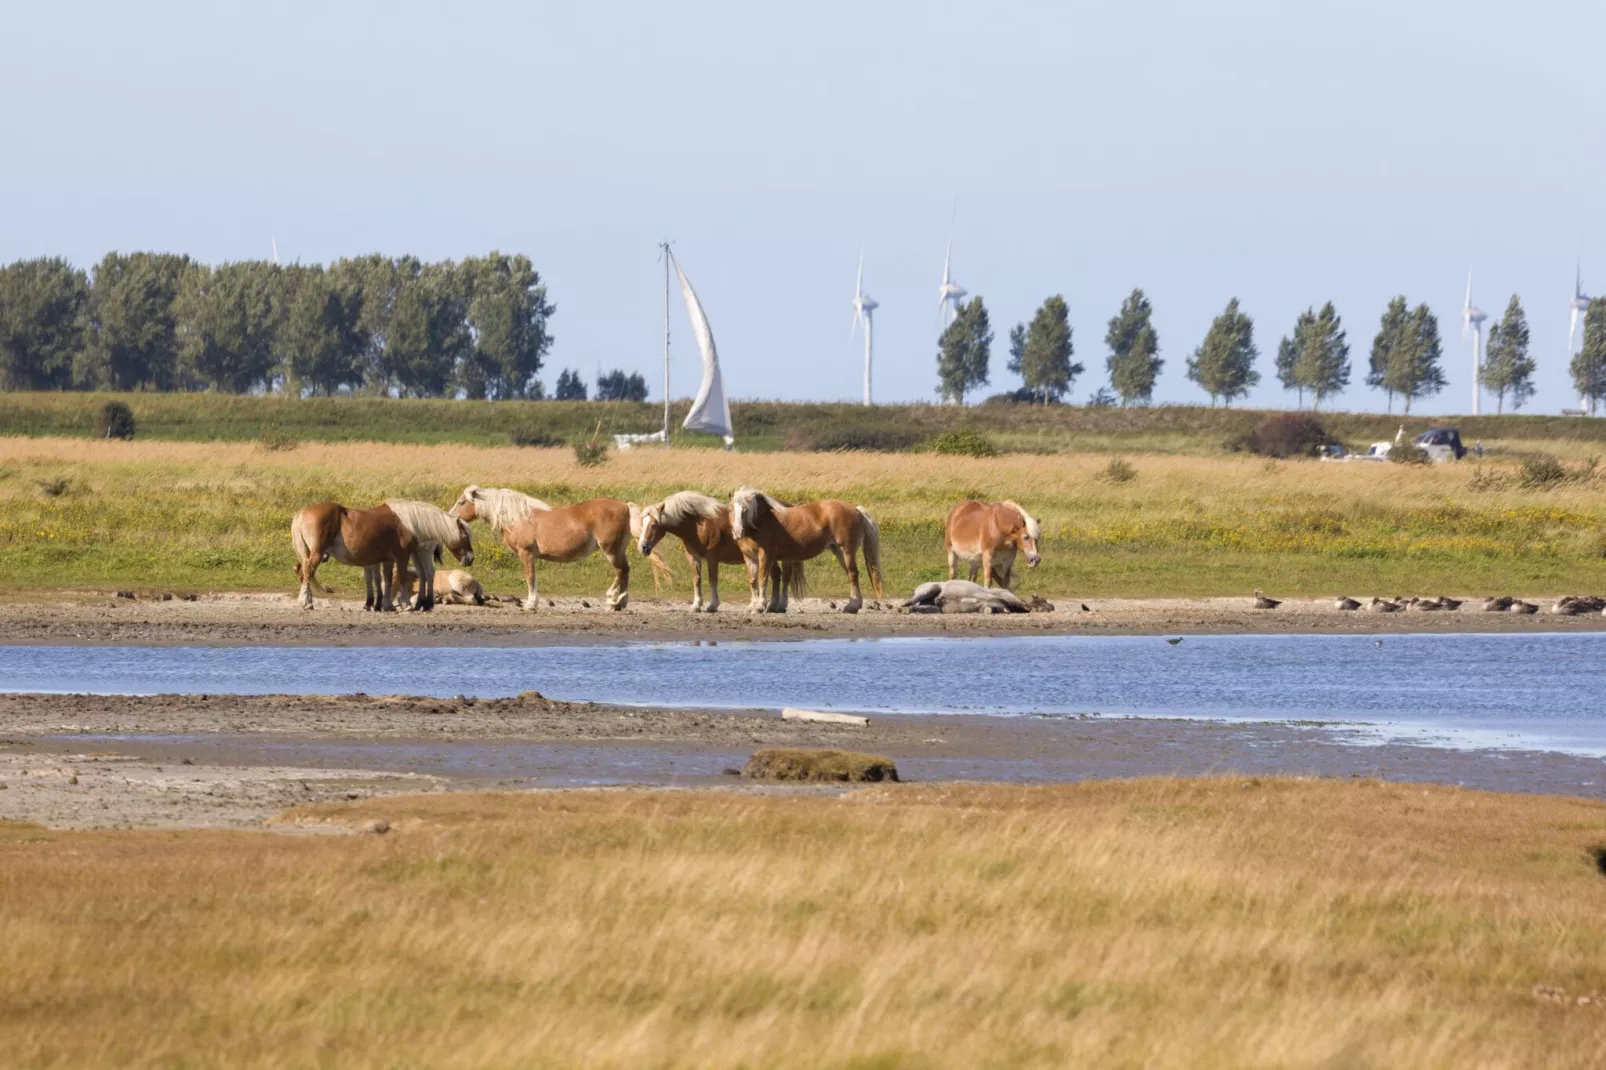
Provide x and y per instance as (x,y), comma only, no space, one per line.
(1288,353)
(1322,365)
(1396,319)
(1412,369)
(1224,364)
(1045,350)
(1507,367)
(964,352)
(1134,362)
(1589,365)
(43,313)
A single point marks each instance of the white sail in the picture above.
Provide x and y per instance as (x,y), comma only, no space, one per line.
(712,410)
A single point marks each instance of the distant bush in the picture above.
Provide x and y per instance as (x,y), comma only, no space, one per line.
(55,486)
(1542,471)
(1409,453)
(1117,471)
(617,386)
(1023,396)
(1290,434)
(115,420)
(963,442)
(855,439)
(275,440)
(590,453)
(1102,398)
(570,387)
(535,436)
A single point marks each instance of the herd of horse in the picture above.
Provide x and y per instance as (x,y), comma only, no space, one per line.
(398,544)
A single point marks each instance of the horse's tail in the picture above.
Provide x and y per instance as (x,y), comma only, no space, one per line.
(872,552)
(304,548)
(795,576)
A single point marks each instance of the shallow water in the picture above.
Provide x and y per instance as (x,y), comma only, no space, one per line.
(1532,691)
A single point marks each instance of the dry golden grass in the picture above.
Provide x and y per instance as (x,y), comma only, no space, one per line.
(215,515)
(1146,923)
(819,766)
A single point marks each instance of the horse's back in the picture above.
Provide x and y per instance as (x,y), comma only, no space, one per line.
(966,522)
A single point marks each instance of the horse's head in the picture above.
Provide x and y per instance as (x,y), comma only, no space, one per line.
(1026,537)
(652,528)
(466,501)
(463,549)
(745,505)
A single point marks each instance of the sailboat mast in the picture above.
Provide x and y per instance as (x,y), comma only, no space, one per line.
(665,247)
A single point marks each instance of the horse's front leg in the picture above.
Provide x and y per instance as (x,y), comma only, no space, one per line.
(370,587)
(713,587)
(850,564)
(986,569)
(756,566)
(424,597)
(953,564)
(619,590)
(780,597)
(696,564)
(532,599)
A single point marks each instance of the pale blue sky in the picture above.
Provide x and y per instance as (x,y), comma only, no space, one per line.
(1283,153)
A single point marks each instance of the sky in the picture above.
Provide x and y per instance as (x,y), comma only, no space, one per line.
(1286,154)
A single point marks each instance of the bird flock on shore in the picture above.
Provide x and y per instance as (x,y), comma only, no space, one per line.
(1568,605)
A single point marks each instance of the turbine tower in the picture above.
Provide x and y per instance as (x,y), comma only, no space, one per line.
(864,307)
(1472,318)
(950,295)
(1579,305)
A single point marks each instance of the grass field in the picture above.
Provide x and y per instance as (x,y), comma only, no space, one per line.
(760,426)
(1138,923)
(215,516)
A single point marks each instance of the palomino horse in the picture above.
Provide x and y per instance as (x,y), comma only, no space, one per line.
(703,525)
(432,528)
(360,537)
(769,532)
(988,535)
(453,587)
(536,531)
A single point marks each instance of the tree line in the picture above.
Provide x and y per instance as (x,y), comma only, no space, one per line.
(1405,362)
(374,324)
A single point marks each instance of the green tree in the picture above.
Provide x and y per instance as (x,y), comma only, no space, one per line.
(1589,364)
(1413,362)
(507,315)
(1288,353)
(1507,367)
(571,387)
(43,307)
(369,284)
(1134,362)
(1224,365)
(617,386)
(227,318)
(1396,321)
(427,335)
(133,330)
(1322,366)
(320,345)
(964,352)
(1044,360)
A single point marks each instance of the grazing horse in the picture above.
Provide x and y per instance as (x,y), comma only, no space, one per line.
(360,537)
(432,528)
(769,533)
(703,525)
(569,533)
(989,535)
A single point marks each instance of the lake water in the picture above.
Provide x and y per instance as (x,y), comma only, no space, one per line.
(1531,691)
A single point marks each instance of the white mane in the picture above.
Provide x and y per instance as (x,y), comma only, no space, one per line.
(744,509)
(1034,530)
(430,524)
(685,505)
(500,507)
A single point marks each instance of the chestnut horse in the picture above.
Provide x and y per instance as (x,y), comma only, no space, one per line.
(989,535)
(568,533)
(703,525)
(769,532)
(432,528)
(360,537)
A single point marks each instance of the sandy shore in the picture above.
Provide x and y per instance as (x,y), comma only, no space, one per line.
(275,620)
(224,760)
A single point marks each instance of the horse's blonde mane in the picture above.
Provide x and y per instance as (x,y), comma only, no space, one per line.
(430,524)
(742,503)
(500,507)
(687,504)
(1033,528)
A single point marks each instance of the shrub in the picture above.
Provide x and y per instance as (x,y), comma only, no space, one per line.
(1409,453)
(856,439)
(275,439)
(817,766)
(532,435)
(55,486)
(1117,471)
(116,420)
(1483,479)
(590,453)
(963,442)
(1541,471)
(1290,434)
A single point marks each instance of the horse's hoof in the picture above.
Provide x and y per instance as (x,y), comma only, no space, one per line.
(620,605)
(852,607)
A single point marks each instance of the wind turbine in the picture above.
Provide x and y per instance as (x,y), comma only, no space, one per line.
(864,307)
(1579,305)
(950,295)
(275,250)
(1472,318)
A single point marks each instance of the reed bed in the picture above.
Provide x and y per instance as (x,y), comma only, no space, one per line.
(1147,923)
(205,516)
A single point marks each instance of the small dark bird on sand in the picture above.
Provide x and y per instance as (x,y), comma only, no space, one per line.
(1346,603)
(1262,602)
(1086,608)
(1174,642)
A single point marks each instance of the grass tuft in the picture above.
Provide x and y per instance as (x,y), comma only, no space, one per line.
(819,766)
